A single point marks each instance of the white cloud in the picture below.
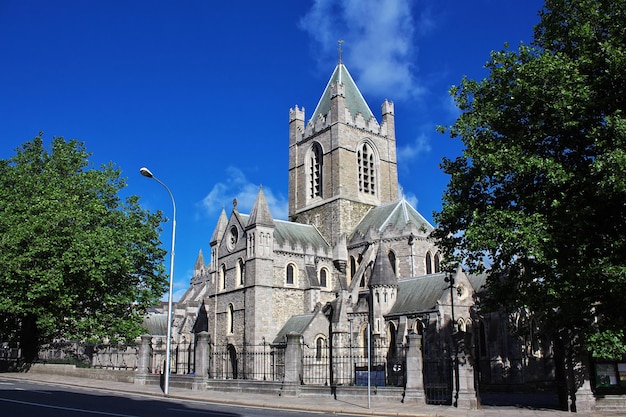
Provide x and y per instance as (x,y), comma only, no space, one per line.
(379,35)
(238,186)
(419,146)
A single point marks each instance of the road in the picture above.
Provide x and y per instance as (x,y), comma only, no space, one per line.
(25,398)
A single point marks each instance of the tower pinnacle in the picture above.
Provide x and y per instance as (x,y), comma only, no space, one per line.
(340,49)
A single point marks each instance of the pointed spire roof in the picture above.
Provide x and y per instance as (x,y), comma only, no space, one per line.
(199,261)
(260,213)
(222,222)
(382,273)
(353,98)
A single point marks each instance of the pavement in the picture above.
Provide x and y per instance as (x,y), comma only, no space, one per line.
(355,407)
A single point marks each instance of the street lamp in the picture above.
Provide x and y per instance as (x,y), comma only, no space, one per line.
(168,343)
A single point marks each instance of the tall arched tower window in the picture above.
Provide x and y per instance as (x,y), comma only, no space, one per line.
(437,262)
(231,319)
(429,265)
(392,260)
(315,162)
(366,160)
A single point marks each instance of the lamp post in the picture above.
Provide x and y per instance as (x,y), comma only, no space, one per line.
(168,343)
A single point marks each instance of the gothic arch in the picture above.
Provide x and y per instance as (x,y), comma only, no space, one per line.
(241,272)
(324,277)
(393,261)
(368,166)
(291,273)
(314,170)
(230,319)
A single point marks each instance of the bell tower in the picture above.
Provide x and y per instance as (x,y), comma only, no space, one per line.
(342,162)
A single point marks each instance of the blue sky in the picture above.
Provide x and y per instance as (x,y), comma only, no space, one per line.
(200,91)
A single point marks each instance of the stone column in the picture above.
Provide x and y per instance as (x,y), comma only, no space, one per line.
(201,359)
(582,398)
(293,366)
(414,390)
(467,398)
(143,362)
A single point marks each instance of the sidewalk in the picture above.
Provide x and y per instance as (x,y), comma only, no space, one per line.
(324,404)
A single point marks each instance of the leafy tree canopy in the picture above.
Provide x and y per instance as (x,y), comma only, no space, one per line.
(538,197)
(77,261)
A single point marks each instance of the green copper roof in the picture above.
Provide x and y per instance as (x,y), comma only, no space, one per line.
(395,214)
(354,100)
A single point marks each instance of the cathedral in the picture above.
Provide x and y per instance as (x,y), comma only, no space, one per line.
(354,262)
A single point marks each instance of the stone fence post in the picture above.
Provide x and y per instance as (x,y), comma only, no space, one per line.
(414,390)
(143,361)
(466,395)
(201,358)
(293,365)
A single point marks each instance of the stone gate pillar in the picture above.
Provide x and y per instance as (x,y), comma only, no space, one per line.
(414,391)
(201,360)
(293,365)
(143,361)
(467,398)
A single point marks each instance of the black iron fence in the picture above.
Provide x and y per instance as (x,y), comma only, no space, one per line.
(263,362)
(323,365)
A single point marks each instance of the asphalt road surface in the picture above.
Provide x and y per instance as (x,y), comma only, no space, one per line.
(25,399)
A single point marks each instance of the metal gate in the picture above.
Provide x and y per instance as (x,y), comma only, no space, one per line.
(438,380)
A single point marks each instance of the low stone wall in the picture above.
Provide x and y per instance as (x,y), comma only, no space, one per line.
(72,370)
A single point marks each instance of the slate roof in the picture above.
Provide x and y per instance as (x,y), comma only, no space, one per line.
(353,98)
(304,235)
(156,324)
(260,213)
(296,324)
(418,294)
(382,273)
(396,214)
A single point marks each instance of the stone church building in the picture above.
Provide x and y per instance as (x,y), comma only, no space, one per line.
(353,253)
(353,270)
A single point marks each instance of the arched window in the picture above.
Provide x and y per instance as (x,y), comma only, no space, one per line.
(315,160)
(429,265)
(352,268)
(323,277)
(392,261)
(222,277)
(437,268)
(366,161)
(290,274)
(231,319)
(319,348)
(241,272)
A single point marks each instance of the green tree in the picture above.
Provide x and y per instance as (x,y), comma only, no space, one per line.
(78,262)
(538,196)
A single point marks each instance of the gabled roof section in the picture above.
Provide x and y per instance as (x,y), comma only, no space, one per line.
(222,222)
(296,324)
(418,294)
(396,215)
(260,214)
(304,235)
(295,234)
(382,273)
(353,97)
